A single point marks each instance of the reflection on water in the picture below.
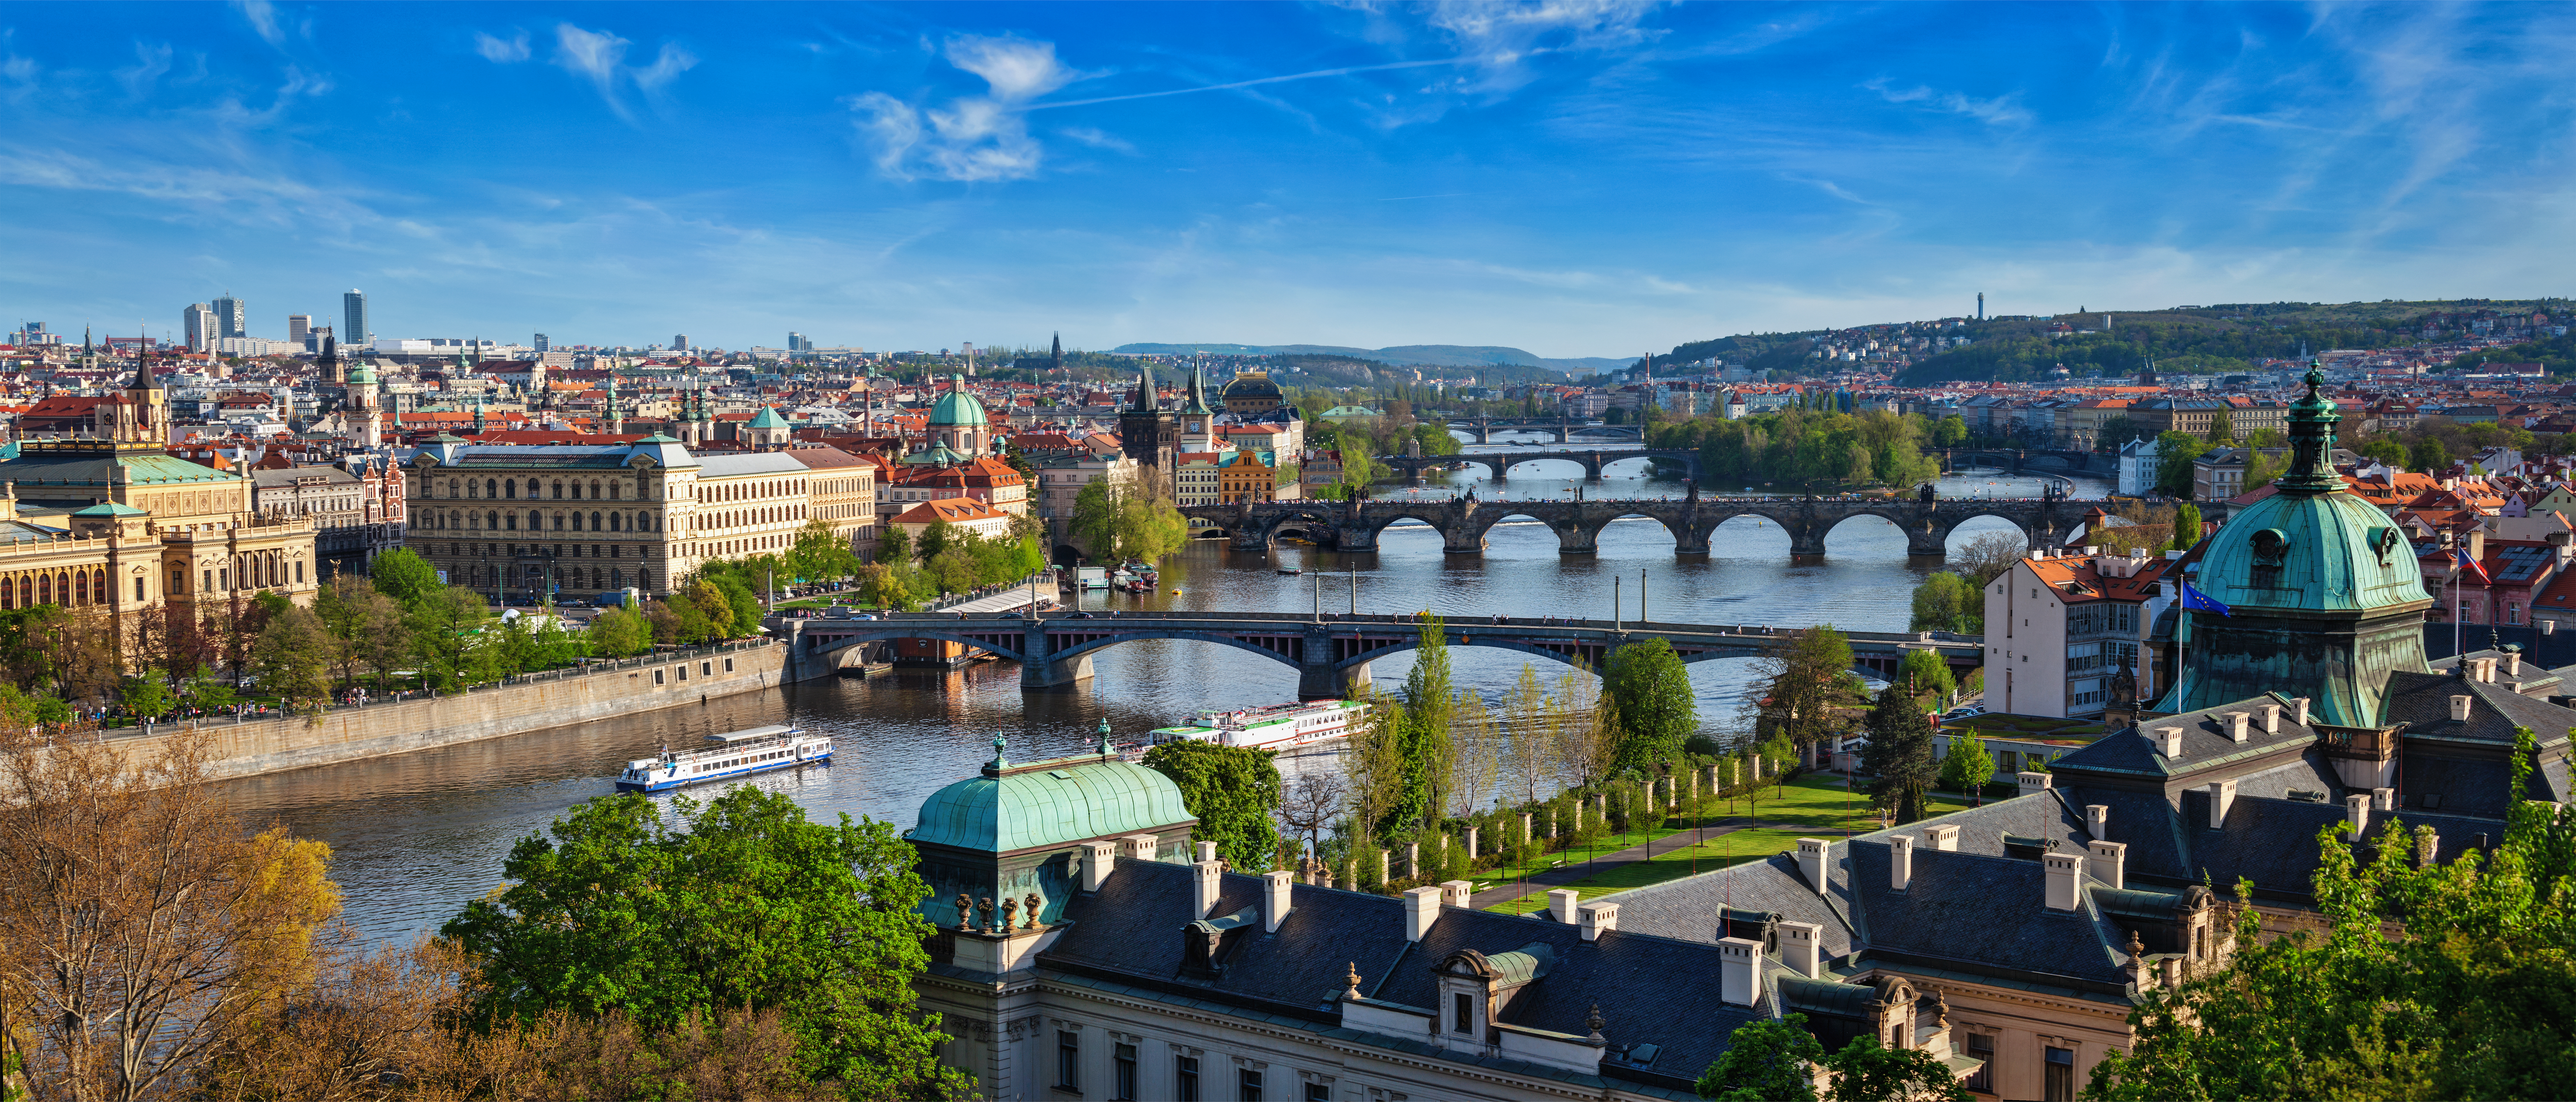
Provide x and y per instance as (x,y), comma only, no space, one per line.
(417,835)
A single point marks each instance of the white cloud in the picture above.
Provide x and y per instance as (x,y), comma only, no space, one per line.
(600,57)
(1502,36)
(1098,139)
(972,138)
(672,62)
(2000,111)
(150,64)
(502,51)
(263,19)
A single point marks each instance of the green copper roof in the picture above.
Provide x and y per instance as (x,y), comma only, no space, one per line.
(959,409)
(109,509)
(1050,803)
(768,418)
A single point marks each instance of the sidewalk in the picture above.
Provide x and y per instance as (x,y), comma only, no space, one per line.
(1578,870)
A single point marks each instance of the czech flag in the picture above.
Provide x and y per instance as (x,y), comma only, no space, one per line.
(2197,601)
(2462,560)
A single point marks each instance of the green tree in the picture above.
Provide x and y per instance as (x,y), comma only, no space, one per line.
(2186,526)
(2386,450)
(1807,683)
(2174,453)
(1950,431)
(1967,767)
(820,554)
(883,586)
(446,628)
(1898,755)
(934,539)
(1658,712)
(1929,673)
(894,546)
(404,576)
(147,695)
(1866,1071)
(1766,1060)
(1427,704)
(742,603)
(2430,455)
(620,632)
(739,902)
(291,660)
(1947,602)
(2222,426)
(1233,790)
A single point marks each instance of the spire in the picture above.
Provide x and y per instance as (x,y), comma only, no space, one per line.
(1145,388)
(478,415)
(1198,387)
(2312,422)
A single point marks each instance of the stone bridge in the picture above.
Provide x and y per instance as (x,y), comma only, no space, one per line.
(1462,523)
(1331,652)
(1499,462)
(2024,460)
(1563,427)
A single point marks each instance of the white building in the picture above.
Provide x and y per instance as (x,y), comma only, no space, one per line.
(2137,469)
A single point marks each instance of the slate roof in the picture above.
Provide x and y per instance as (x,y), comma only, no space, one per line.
(1982,912)
(1688,908)
(2422,701)
(2206,747)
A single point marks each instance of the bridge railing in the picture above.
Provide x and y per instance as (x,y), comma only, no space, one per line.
(1460,626)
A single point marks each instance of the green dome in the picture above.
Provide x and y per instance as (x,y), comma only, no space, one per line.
(2323,552)
(1050,803)
(958,410)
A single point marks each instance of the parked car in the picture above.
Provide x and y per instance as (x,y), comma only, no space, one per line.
(1963,711)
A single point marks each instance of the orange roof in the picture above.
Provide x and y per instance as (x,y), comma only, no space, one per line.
(951,509)
(2077,580)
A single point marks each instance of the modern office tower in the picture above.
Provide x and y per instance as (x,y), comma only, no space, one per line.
(353,318)
(199,320)
(231,317)
(299,327)
(796,342)
(680,343)
(541,342)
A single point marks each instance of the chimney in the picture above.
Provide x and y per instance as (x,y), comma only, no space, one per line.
(1944,837)
(1421,909)
(1097,863)
(2356,810)
(1802,948)
(1560,904)
(1598,918)
(1454,893)
(1140,846)
(2460,709)
(2236,722)
(1204,879)
(1206,850)
(2222,795)
(1900,861)
(1275,899)
(2383,799)
(2271,719)
(2111,862)
(2065,876)
(1811,862)
(2513,662)
(2299,710)
(2169,742)
(2428,850)
(1735,985)
(2097,820)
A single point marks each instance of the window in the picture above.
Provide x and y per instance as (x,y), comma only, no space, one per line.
(299,573)
(2060,1083)
(1319,1092)
(1185,1078)
(1465,1005)
(1068,1060)
(1981,1046)
(1122,1086)
(1248,1085)
(138,589)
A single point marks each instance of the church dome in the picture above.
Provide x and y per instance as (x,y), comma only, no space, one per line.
(1253,386)
(958,410)
(2312,552)
(1049,803)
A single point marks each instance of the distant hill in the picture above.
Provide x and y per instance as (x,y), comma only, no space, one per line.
(1424,355)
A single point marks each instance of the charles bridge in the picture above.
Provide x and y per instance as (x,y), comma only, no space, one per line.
(1463,522)
(1563,427)
(1330,651)
(1592,460)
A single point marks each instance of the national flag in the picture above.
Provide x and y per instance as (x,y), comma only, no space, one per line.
(2197,601)
(2462,560)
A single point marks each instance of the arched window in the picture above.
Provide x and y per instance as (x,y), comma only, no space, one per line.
(614,520)
(559,491)
(510,488)
(492,522)
(594,522)
(558,522)
(491,488)
(536,521)
(451,487)
(45,590)
(616,490)
(472,490)
(513,521)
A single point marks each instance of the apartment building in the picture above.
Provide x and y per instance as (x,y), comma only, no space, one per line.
(2061,629)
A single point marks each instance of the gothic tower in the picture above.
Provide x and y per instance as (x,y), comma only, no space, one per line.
(1146,434)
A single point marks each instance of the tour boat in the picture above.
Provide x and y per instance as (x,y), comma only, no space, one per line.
(734,754)
(1272,726)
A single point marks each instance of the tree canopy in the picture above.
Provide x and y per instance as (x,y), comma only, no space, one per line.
(1657,709)
(1233,791)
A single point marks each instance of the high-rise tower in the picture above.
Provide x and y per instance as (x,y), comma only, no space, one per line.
(199,322)
(232,317)
(353,318)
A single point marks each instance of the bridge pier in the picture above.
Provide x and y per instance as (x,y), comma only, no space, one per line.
(1355,537)
(1564,431)
(1807,540)
(1573,537)
(1040,673)
(1461,538)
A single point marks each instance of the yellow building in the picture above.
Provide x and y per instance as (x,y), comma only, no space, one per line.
(1246,476)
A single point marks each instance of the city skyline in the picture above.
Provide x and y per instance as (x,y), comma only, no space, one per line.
(1575,180)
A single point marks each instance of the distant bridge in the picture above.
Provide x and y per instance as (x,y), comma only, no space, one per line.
(1563,427)
(1592,460)
(1330,652)
(1462,523)
(2024,460)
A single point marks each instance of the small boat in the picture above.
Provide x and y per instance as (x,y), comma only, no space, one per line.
(733,754)
(1290,570)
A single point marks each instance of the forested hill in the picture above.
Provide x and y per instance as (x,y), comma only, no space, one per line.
(2176,344)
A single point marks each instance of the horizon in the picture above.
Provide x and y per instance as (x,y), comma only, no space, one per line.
(1575,180)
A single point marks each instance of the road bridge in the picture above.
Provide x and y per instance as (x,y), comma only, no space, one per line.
(1592,460)
(1564,427)
(1462,523)
(2021,460)
(1330,652)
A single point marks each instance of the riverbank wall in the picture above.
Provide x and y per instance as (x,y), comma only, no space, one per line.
(522,704)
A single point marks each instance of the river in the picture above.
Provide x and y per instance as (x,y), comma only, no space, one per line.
(416,836)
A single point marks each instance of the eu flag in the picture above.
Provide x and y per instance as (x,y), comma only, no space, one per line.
(2198,601)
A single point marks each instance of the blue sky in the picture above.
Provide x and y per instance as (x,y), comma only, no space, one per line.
(1571,177)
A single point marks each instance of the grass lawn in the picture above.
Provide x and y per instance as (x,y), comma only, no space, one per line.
(1818,807)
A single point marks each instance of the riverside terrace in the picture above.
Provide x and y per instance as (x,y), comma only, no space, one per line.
(1462,523)
(1329,651)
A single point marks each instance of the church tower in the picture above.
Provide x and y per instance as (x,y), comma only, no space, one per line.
(362,417)
(148,422)
(1148,435)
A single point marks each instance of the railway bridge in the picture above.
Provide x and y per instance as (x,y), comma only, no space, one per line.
(1330,652)
(1463,522)
(1563,427)
(1591,459)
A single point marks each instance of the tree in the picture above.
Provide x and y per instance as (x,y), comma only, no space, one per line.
(1806,686)
(1929,673)
(1766,1060)
(404,576)
(738,902)
(2186,526)
(445,628)
(1950,431)
(883,586)
(2468,1002)
(2429,456)
(2222,426)
(1948,602)
(820,553)
(933,539)
(2386,451)
(1967,767)
(147,695)
(894,546)
(713,607)
(1898,754)
(291,659)
(364,625)
(1234,793)
(1427,706)
(1474,755)
(1657,709)
(2174,453)
(620,632)
(1310,805)
(1987,557)
(1866,1071)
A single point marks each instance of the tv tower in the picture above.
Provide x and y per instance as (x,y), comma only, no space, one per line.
(1981,306)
